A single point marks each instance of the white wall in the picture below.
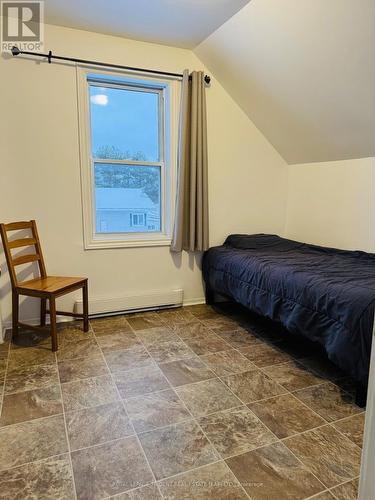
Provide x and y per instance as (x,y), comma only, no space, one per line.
(40,173)
(333,203)
(303,71)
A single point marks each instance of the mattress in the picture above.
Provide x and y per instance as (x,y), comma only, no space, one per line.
(324,294)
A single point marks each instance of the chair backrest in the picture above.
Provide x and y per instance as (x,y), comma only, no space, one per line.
(31,241)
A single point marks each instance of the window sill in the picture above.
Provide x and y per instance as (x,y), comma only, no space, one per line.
(102,244)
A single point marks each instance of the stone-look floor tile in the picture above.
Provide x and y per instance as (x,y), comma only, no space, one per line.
(285,415)
(264,355)
(299,347)
(207,397)
(221,323)
(29,405)
(201,311)
(321,366)
(29,356)
(211,482)
(158,409)
(81,368)
(4,349)
(227,362)
(239,338)
(186,371)
(110,325)
(236,431)
(33,440)
(128,359)
(169,350)
(177,448)
(140,381)
(332,457)
(207,344)
(3,364)
(252,385)
(25,378)
(117,341)
(44,480)
(266,472)
(73,332)
(80,349)
(176,316)
(347,384)
(110,468)
(329,401)
(151,320)
(88,393)
(353,428)
(267,331)
(73,324)
(326,495)
(347,491)
(31,338)
(149,492)
(190,329)
(153,336)
(97,425)
(292,376)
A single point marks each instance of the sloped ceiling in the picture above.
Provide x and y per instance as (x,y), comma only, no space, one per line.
(304,72)
(181,23)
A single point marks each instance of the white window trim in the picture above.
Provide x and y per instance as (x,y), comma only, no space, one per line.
(122,240)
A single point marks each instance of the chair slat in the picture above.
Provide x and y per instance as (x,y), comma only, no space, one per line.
(14,226)
(24,259)
(22,242)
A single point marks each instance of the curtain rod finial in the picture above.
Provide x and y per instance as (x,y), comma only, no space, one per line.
(15,51)
(207,79)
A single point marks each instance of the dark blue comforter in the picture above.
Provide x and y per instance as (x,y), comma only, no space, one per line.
(326,294)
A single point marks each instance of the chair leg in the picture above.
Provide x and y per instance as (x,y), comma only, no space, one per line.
(52,312)
(15,313)
(85,297)
(43,308)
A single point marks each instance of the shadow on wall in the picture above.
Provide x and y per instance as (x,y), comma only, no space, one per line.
(24,272)
(194,262)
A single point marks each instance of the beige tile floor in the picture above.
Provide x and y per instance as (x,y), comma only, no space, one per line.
(193,403)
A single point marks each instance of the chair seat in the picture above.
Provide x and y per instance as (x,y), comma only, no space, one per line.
(50,284)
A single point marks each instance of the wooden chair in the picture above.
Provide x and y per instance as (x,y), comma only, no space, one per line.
(45,287)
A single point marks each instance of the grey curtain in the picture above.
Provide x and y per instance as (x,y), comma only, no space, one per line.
(191,217)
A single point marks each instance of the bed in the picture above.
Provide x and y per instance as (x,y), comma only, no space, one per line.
(325,294)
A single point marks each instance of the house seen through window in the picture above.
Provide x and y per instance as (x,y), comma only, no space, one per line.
(127,129)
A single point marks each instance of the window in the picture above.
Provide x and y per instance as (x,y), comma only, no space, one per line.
(128,149)
(138,219)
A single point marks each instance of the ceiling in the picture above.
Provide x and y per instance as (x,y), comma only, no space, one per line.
(180,23)
(304,72)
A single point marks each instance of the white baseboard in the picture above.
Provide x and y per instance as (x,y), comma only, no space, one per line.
(194,302)
(35,321)
(132,302)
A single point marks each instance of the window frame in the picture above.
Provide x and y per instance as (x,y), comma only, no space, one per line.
(169,92)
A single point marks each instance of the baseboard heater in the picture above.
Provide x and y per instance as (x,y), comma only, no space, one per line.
(101,306)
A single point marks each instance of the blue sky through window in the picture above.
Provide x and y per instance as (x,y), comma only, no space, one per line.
(126,120)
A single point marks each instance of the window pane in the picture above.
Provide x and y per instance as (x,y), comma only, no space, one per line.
(127,198)
(124,124)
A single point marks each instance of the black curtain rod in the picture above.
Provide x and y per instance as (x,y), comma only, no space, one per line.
(16,51)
